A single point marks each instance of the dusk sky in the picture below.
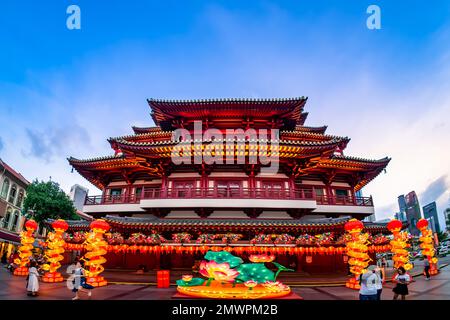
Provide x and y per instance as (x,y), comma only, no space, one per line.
(64,92)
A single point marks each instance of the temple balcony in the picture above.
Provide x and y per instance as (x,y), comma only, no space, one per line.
(295,200)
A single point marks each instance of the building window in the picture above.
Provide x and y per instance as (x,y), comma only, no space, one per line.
(5,189)
(19,199)
(183,188)
(138,193)
(115,193)
(12,194)
(15,220)
(6,218)
(228,188)
(341,193)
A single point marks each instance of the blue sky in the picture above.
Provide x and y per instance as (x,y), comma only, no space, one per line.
(64,92)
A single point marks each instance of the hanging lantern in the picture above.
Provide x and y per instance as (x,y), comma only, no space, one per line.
(357,248)
(55,248)
(96,248)
(25,250)
(399,245)
(427,246)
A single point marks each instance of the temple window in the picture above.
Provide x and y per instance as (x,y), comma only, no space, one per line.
(183,188)
(12,194)
(5,189)
(319,191)
(115,193)
(138,192)
(341,193)
(226,188)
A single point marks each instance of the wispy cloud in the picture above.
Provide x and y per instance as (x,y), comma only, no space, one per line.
(434,190)
(55,141)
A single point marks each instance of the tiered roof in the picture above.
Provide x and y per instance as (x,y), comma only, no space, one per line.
(308,150)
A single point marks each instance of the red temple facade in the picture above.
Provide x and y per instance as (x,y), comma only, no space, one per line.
(304,204)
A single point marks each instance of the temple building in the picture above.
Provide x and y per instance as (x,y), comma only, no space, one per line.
(312,193)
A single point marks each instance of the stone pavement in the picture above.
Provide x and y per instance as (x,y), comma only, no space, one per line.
(11,287)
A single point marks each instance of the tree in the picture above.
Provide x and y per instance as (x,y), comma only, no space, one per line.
(46,200)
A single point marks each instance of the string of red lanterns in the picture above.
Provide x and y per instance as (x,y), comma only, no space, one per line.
(187,249)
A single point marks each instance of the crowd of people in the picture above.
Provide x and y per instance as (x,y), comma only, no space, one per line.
(371,281)
(76,280)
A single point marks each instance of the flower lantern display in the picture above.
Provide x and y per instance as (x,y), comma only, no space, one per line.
(326,238)
(25,250)
(427,246)
(96,247)
(217,271)
(399,245)
(205,238)
(137,238)
(182,237)
(284,238)
(306,240)
(231,237)
(155,239)
(55,248)
(115,238)
(229,278)
(356,251)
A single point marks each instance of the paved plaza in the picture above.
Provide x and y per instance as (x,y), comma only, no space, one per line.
(325,288)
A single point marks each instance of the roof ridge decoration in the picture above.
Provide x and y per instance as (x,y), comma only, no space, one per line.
(227,100)
(351,158)
(280,141)
(96,159)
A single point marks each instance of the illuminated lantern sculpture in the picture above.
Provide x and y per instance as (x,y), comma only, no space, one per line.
(427,246)
(399,245)
(55,248)
(96,247)
(356,251)
(25,250)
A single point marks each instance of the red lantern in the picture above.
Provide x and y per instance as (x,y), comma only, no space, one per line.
(422,224)
(31,225)
(60,224)
(99,224)
(394,225)
(354,225)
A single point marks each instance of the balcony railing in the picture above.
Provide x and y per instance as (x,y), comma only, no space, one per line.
(228,193)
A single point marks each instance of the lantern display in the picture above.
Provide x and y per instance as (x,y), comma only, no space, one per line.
(399,245)
(356,251)
(227,277)
(55,248)
(96,247)
(427,246)
(25,250)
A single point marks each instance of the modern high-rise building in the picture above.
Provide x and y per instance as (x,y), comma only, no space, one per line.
(412,212)
(430,213)
(402,206)
(447,218)
(78,196)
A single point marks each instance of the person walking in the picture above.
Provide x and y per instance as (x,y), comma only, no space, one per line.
(33,280)
(367,282)
(379,283)
(79,281)
(4,257)
(426,268)
(402,280)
